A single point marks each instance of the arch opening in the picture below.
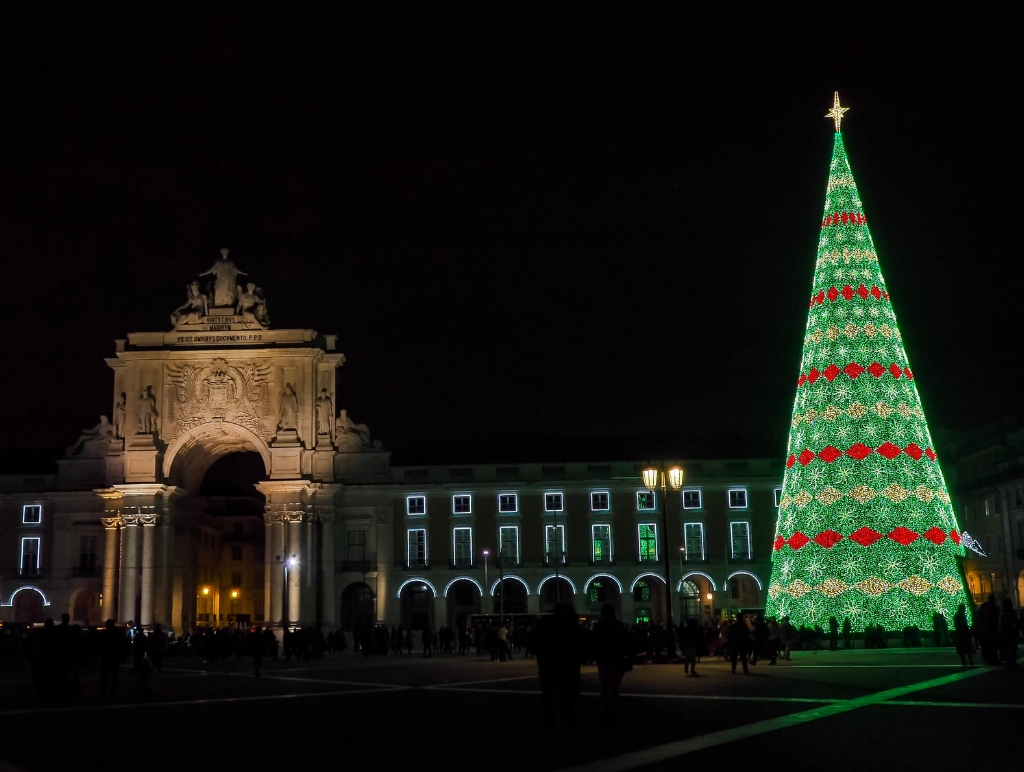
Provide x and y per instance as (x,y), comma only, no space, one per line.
(465,597)
(190,456)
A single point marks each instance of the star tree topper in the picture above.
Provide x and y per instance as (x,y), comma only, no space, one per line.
(836,113)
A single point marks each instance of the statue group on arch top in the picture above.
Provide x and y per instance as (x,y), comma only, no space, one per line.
(223,297)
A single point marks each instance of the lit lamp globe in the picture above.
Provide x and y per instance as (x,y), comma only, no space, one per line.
(650,478)
(675,478)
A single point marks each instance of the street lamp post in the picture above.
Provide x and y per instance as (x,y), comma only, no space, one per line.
(674,479)
(501,584)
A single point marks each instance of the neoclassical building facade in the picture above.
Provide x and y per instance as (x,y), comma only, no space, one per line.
(334,531)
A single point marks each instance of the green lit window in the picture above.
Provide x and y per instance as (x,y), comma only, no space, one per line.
(602,543)
(648,533)
(645,501)
(643,616)
(596,592)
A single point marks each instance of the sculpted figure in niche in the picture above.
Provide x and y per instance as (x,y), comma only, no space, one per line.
(225,285)
(351,435)
(251,306)
(120,411)
(195,305)
(289,408)
(260,312)
(94,442)
(324,414)
(147,412)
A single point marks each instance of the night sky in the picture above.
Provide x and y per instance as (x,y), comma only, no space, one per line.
(519,224)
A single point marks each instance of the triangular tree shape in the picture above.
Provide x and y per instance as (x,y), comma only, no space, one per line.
(865,529)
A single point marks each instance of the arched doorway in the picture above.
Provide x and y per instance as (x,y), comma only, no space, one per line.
(744,591)
(696,596)
(358,609)
(417,605)
(28,606)
(601,589)
(463,595)
(555,590)
(509,596)
(648,599)
(85,608)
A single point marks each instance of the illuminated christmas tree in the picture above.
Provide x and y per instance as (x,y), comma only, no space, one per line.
(865,528)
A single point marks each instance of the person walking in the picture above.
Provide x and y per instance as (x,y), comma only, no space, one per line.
(558,646)
(690,638)
(962,638)
(611,652)
(788,637)
(833,634)
(739,642)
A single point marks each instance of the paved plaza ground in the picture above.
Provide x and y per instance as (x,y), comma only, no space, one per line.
(823,710)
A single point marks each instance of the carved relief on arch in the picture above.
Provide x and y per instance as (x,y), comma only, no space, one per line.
(219,391)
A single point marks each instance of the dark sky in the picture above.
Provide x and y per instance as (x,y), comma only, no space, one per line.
(520,223)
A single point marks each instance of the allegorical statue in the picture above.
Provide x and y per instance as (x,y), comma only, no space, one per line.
(147,412)
(289,409)
(120,412)
(251,306)
(225,287)
(324,414)
(195,305)
(350,435)
(94,442)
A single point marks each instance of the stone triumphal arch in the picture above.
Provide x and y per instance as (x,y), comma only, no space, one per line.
(222,381)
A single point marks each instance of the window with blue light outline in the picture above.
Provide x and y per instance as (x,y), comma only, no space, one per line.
(415,505)
(600,501)
(508,539)
(778,497)
(646,501)
(601,542)
(462,504)
(737,498)
(32,514)
(553,502)
(692,498)
(416,547)
(462,546)
(554,541)
(508,503)
(31,548)
(647,542)
(693,541)
(739,534)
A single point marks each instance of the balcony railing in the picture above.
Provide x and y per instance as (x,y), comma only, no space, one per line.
(417,565)
(743,557)
(25,572)
(462,563)
(550,560)
(604,560)
(696,557)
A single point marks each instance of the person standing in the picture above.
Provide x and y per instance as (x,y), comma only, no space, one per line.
(1009,632)
(986,630)
(112,651)
(690,637)
(962,637)
(833,634)
(611,652)
(739,642)
(558,646)
(788,637)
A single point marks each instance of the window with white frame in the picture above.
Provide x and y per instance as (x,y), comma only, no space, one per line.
(509,540)
(740,532)
(415,505)
(737,498)
(646,501)
(417,549)
(602,538)
(600,501)
(552,502)
(508,502)
(691,499)
(462,547)
(693,540)
(32,514)
(554,543)
(647,541)
(29,565)
(462,504)
(778,497)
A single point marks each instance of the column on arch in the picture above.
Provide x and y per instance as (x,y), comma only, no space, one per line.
(295,567)
(148,525)
(111,561)
(129,569)
(274,558)
(329,608)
